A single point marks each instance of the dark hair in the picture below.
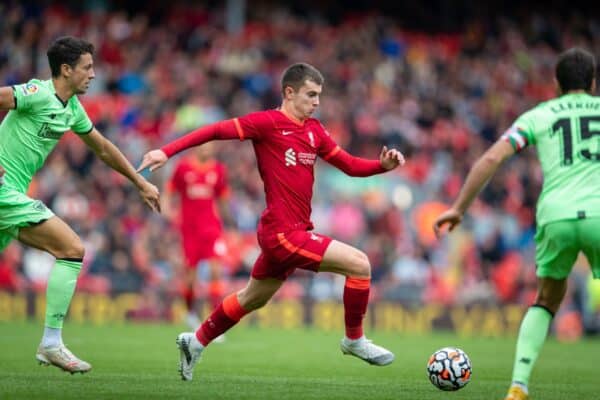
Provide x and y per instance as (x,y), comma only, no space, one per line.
(296,74)
(575,70)
(67,50)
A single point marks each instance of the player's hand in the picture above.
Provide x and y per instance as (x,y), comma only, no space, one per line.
(2,171)
(150,194)
(391,158)
(451,217)
(153,159)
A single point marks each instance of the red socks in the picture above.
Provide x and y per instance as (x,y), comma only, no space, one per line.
(356,299)
(226,315)
(188,297)
(229,312)
(215,293)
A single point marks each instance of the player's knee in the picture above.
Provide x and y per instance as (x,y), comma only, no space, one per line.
(74,250)
(361,266)
(551,303)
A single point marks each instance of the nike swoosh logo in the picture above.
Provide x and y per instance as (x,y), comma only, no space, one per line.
(285,133)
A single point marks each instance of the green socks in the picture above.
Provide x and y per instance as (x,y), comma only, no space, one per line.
(532,335)
(61,286)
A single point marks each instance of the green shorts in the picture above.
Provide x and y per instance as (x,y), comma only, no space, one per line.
(558,244)
(18,211)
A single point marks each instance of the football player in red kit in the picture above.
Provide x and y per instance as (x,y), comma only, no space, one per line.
(199,183)
(287,142)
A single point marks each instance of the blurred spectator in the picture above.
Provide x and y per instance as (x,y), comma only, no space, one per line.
(441,98)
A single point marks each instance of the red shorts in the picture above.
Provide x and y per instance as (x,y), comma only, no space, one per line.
(282,253)
(201,247)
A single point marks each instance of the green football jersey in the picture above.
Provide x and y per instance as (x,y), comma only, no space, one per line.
(566,132)
(30,131)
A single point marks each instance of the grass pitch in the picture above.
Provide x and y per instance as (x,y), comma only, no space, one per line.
(140,362)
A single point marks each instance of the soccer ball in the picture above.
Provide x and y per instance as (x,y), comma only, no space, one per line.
(449,369)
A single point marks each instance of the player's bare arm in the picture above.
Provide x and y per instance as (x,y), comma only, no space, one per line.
(169,204)
(7,98)
(112,156)
(483,169)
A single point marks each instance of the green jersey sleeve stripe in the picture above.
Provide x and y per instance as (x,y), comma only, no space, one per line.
(86,132)
(14,96)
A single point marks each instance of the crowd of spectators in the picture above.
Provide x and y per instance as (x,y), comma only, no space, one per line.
(441,98)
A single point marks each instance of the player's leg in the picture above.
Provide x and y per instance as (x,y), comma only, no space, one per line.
(215,283)
(255,295)
(58,239)
(215,289)
(589,234)
(343,259)
(557,249)
(189,295)
(191,257)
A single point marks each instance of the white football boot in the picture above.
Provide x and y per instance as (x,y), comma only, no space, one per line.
(364,349)
(62,358)
(190,351)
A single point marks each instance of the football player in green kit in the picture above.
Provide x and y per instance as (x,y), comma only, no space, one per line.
(566,132)
(40,113)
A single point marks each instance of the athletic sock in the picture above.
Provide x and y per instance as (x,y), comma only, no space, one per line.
(52,337)
(215,293)
(188,297)
(226,315)
(60,289)
(532,335)
(356,299)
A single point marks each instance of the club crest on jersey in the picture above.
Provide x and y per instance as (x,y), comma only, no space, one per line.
(29,88)
(311,138)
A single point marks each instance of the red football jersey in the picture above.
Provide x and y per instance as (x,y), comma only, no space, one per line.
(199,185)
(286,152)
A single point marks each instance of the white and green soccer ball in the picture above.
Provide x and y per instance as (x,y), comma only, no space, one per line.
(449,369)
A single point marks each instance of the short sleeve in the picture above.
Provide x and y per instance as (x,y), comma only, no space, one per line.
(253,125)
(521,133)
(30,97)
(82,125)
(327,146)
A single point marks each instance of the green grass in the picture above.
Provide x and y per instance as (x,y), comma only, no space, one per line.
(140,362)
